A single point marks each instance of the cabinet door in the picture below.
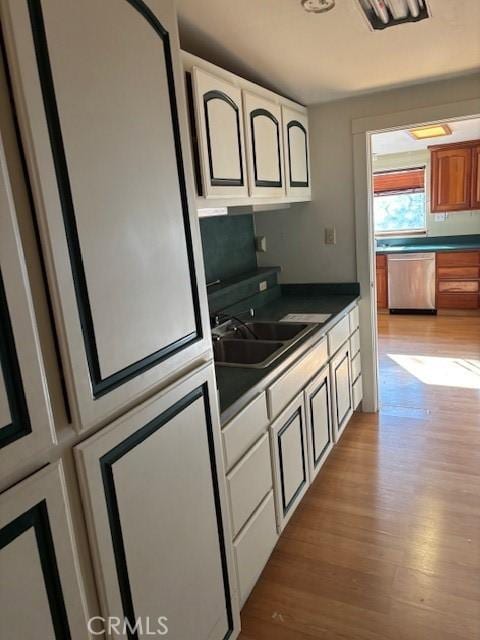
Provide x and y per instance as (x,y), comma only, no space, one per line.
(41,595)
(319,421)
(297,153)
(264,146)
(219,121)
(155,509)
(341,383)
(451,179)
(289,453)
(26,427)
(101,124)
(475,195)
(382,292)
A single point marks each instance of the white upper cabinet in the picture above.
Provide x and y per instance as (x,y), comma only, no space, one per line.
(263,130)
(26,427)
(219,128)
(42,595)
(99,91)
(156,514)
(297,153)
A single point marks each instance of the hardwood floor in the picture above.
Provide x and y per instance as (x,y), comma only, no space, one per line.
(386,543)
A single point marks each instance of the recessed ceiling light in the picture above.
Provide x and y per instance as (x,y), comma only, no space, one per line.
(432,131)
(318,6)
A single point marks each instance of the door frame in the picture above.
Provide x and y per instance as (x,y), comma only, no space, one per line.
(362,131)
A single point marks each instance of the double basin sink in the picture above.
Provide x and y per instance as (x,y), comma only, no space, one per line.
(257,344)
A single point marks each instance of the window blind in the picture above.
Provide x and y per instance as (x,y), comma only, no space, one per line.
(395,181)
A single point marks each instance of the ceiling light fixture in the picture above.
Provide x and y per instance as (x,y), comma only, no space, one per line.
(388,13)
(431,131)
(318,6)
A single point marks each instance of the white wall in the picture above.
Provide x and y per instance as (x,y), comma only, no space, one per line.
(295,237)
(457,223)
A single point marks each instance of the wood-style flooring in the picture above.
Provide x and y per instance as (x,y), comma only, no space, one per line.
(386,543)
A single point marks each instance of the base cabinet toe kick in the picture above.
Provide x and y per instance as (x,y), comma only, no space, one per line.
(275,446)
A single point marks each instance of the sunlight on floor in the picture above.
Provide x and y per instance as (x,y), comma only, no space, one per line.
(445,372)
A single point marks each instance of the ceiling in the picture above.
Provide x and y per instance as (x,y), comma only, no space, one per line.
(321,57)
(402,141)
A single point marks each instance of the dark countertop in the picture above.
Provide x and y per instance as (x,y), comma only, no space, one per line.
(428,247)
(238,385)
(419,245)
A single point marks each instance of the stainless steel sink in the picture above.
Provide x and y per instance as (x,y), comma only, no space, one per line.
(256,344)
(251,353)
(269,331)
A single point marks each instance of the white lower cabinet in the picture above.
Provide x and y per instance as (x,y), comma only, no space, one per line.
(156,514)
(357,392)
(254,545)
(289,453)
(341,384)
(249,482)
(244,430)
(318,411)
(42,594)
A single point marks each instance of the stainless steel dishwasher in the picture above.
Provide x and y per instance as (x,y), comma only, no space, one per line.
(411,282)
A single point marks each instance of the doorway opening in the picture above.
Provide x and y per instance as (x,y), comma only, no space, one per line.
(424,214)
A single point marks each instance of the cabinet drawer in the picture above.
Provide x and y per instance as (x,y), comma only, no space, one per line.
(244,430)
(457,301)
(457,259)
(357,392)
(458,286)
(449,273)
(355,343)
(285,388)
(249,482)
(254,545)
(356,367)
(338,335)
(353,319)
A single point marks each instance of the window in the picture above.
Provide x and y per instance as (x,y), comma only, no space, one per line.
(399,201)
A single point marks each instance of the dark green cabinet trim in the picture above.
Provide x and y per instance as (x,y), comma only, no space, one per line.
(100,385)
(37,518)
(20,424)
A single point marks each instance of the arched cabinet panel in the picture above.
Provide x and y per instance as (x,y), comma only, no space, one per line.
(219,125)
(297,155)
(264,146)
(101,85)
(26,427)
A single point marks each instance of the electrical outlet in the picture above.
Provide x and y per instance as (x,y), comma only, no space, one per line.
(330,235)
(260,244)
(263,285)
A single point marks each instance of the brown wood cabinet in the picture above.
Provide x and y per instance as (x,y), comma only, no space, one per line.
(382,282)
(458,279)
(475,195)
(455,178)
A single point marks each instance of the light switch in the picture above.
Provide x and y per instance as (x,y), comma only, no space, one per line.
(330,235)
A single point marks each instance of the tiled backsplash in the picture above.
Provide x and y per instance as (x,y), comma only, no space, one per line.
(228,246)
